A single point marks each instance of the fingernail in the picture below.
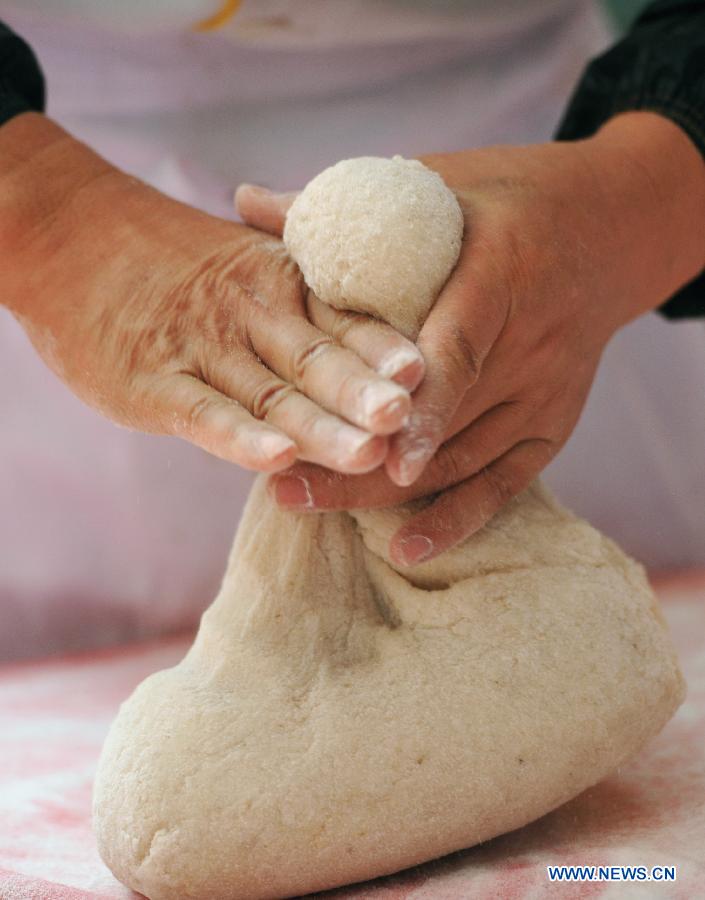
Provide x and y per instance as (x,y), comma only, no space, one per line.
(284,198)
(351,441)
(382,399)
(293,491)
(397,361)
(413,462)
(358,451)
(255,188)
(273,445)
(395,408)
(415,548)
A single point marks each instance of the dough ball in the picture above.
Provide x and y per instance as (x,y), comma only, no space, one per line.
(377,235)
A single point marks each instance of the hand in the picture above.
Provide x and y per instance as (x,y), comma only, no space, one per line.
(171,321)
(564,243)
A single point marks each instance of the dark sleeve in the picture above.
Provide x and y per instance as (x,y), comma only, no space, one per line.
(659,65)
(21,79)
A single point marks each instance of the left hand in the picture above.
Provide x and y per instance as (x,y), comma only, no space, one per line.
(564,243)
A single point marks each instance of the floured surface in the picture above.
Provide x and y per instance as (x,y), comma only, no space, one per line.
(54,716)
(333,714)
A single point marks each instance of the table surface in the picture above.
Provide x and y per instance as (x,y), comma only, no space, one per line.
(54,715)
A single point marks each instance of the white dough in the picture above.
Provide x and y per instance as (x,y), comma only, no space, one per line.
(338,718)
(378,236)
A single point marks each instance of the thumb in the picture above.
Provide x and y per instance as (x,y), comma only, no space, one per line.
(457,336)
(262,208)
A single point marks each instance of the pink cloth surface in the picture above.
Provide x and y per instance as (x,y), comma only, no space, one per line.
(54,716)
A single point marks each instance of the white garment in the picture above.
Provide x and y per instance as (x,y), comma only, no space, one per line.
(106,534)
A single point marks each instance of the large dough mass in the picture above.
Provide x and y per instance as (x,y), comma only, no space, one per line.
(338,718)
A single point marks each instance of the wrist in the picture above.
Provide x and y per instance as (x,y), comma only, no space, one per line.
(69,220)
(652,187)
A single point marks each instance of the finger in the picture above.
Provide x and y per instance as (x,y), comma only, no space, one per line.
(463,325)
(333,377)
(262,208)
(190,409)
(464,509)
(383,349)
(305,487)
(386,351)
(320,437)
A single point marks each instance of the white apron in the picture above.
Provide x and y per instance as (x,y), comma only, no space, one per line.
(107,535)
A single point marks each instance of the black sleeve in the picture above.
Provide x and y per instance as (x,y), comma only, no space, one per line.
(660,66)
(21,79)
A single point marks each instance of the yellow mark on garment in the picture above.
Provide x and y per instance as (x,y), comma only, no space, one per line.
(224,14)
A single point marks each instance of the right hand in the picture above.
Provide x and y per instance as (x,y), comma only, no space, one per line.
(564,244)
(170,321)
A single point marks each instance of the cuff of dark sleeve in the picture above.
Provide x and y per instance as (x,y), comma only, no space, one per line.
(12,105)
(21,79)
(688,303)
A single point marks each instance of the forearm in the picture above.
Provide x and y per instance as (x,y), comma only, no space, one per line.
(654,201)
(657,66)
(55,226)
(71,222)
(42,169)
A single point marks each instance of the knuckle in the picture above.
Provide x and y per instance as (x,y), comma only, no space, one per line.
(549,429)
(521,262)
(198,413)
(350,386)
(316,311)
(312,423)
(450,466)
(269,396)
(465,359)
(343,324)
(498,484)
(541,450)
(278,283)
(446,517)
(214,275)
(305,355)
(526,408)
